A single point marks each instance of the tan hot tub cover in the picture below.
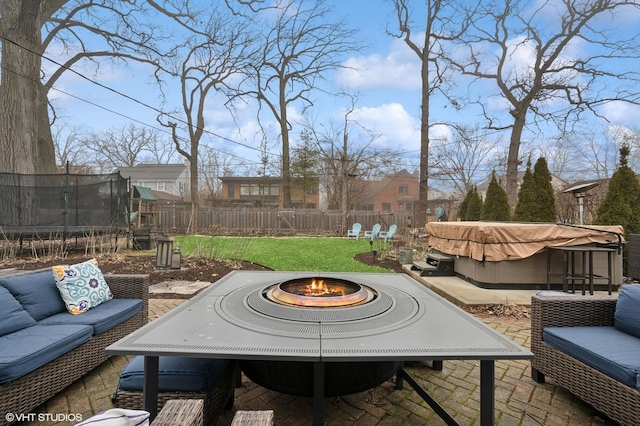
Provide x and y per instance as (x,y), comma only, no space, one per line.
(497,241)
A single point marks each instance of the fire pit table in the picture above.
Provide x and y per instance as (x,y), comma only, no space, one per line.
(322,334)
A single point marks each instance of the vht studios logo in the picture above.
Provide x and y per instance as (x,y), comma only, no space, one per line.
(43,417)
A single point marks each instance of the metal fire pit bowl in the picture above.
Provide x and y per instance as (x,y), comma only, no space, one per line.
(320,292)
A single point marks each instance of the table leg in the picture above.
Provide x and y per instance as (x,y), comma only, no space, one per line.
(590,274)
(548,269)
(400,378)
(487,392)
(565,272)
(584,259)
(609,272)
(318,394)
(150,385)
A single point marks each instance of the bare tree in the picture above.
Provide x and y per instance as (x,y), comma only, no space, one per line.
(212,58)
(29,31)
(437,29)
(344,162)
(299,49)
(215,164)
(121,147)
(70,150)
(160,149)
(556,82)
(462,162)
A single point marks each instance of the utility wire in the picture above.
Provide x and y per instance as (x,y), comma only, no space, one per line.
(131,98)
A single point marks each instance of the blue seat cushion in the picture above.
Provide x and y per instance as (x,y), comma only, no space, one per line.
(607,349)
(37,293)
(627,314)
(25,350)
(176,374)
(102,318)
(13,317)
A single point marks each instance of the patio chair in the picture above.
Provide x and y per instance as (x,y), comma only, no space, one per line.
(354,231)
(387,235)
(373,233)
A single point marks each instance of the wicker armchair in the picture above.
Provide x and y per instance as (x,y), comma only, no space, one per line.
(26,393)
(220,398)
(609,396)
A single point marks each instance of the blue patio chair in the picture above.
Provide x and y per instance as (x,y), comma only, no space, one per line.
(373,233)
(354,231)
(387,235)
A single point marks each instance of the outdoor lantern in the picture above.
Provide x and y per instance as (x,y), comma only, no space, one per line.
(176,258)
(164,252)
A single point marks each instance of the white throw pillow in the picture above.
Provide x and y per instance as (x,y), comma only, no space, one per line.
(82,286)
(118,417)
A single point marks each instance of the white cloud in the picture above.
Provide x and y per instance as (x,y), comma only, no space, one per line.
(621,113)
(398,130)
(400,68)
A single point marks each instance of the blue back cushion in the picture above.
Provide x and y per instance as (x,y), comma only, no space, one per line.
(627,314)
(12,316)
(37,293)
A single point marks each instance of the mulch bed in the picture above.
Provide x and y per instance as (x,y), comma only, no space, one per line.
(211,271)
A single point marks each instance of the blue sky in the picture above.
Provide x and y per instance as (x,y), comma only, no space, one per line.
(389,85)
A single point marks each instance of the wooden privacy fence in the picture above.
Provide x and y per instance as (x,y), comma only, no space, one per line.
(177,218)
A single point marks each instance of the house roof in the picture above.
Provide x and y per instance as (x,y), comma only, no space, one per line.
(165,196)
(154,172)
(251,179)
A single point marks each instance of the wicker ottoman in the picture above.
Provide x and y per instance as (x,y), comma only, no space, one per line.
(212,380)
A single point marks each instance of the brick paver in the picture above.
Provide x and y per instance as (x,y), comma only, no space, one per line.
(519,400)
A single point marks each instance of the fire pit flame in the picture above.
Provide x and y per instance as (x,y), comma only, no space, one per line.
(318,288)
(319,292)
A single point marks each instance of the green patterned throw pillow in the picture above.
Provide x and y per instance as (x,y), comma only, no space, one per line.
(82,286)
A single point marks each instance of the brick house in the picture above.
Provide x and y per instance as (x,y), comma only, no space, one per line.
(267,192)
(401,192)
(395,192)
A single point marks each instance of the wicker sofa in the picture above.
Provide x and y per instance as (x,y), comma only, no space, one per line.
(24,393)
(610,396)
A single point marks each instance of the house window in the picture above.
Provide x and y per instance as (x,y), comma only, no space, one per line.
(404,189)
(311,190)
(311,205)
(231,192)
(255,190)
(386,207)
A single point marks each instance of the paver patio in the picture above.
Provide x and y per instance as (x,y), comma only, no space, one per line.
(519,400)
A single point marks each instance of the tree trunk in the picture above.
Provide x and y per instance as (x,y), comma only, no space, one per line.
(423,197)
(512,159)
(193,186)
(25,147)
(286,170)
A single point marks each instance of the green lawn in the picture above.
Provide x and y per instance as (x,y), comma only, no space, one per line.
(284,254)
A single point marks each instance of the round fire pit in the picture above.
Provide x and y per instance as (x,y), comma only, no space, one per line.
(320,292)
(290,300)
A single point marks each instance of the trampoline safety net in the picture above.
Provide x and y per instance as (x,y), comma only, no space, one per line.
(68,204)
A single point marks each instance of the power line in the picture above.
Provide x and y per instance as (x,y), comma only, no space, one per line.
(124,96)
